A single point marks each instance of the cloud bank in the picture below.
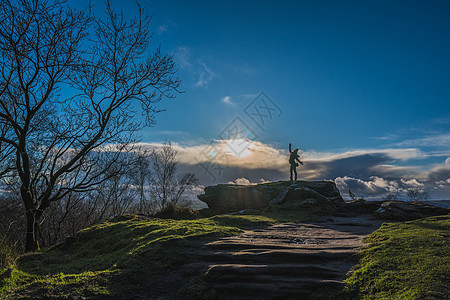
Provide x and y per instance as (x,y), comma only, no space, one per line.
(372,173)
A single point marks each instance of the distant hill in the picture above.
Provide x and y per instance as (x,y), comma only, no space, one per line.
(440,203)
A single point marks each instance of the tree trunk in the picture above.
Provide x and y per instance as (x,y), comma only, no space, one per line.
(31,242)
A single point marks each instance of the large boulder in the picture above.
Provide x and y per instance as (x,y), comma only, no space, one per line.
(359,206)
(404,211)
(229,198)
(225,198)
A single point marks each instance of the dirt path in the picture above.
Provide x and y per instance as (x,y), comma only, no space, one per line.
(283,261)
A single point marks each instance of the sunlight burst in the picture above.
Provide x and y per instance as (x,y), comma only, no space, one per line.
(239,147)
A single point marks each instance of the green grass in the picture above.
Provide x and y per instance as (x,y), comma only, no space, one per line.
(123,257)
(112,258)
(408,260)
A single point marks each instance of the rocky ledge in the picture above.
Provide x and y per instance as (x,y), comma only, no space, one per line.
(224,198)
(405,211)
(227,198)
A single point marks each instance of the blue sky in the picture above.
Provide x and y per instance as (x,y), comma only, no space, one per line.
(362,87)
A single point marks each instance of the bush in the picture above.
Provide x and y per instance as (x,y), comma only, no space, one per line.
(8,255)
(177,212)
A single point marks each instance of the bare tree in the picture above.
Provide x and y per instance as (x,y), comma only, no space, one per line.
(55,141)
(115,195)
(417,194)
(141,174)
(11,210)
(62,219)
(165,187)
(391,196)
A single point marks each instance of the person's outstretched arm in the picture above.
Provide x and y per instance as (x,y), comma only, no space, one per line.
(290,148)
(299,161)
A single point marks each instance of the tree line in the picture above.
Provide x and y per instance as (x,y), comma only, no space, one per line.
(150,184)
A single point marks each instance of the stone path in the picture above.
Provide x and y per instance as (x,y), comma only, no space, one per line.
(284,261)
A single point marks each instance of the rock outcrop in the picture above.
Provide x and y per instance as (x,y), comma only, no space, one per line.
(359,206)
(405,211)
(224,198)
(227,198)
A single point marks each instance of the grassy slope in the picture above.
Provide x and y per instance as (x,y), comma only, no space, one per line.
(113,258)
(402,261)
(408,260)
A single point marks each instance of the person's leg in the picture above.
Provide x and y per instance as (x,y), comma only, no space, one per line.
(292,168)
(295,172)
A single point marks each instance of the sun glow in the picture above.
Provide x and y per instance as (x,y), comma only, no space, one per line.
(239,148)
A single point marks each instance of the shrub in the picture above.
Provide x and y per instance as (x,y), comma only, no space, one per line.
(177,212)
(8,255)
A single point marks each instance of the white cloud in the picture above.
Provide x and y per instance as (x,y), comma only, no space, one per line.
(245,181)
(429,141)
(197,67)
(165,27)
(227,100)
(205,76)
(438,172)
(374,186)
(447,181)
(162,29)
(396,171)
(318,165)
(241,181)
(198,189)
(443,184)
(411,183)
(388,137)
(260,155)
(183,58)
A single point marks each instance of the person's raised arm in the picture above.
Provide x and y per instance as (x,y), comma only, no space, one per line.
(290,148)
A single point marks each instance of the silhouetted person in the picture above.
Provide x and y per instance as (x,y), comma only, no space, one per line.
(292,161)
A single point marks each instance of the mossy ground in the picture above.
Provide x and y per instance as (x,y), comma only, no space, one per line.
(113,258)
(408,260)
